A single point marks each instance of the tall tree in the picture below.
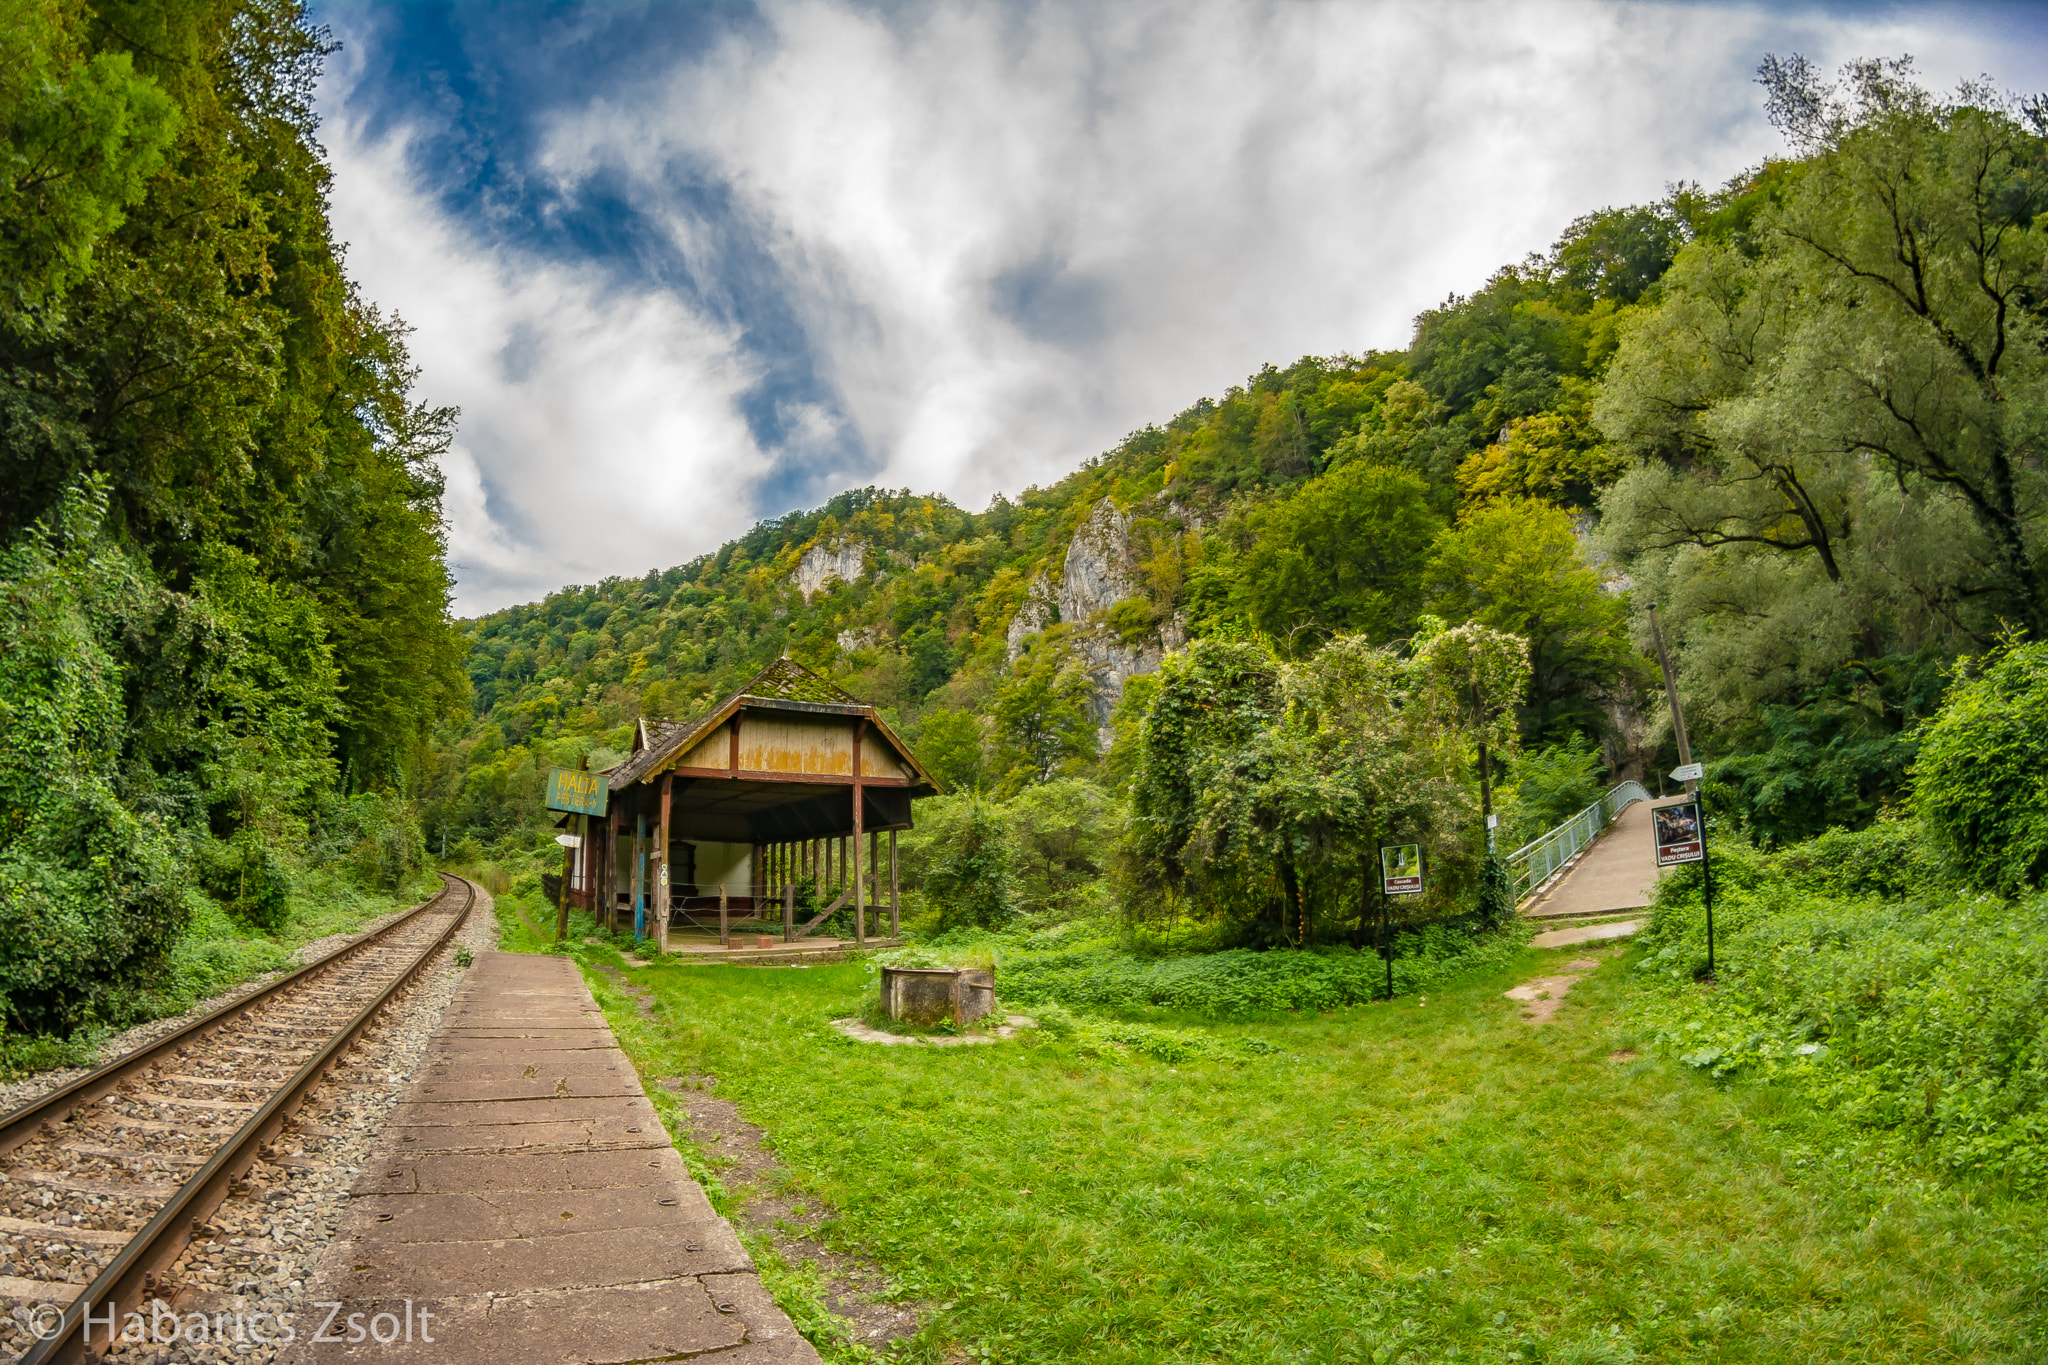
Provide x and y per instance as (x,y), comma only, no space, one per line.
(1837,410)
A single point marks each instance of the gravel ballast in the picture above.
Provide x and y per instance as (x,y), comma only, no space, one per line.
(248,1269)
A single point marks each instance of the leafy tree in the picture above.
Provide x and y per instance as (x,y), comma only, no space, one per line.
(1555,455)
(1064,830)
(1516,566)
(1343,554)
(951,744)
(972,878)
(1264,787)
(1834,410)
(1042,712)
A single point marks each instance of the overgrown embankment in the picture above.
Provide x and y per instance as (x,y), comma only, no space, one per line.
(1856,969)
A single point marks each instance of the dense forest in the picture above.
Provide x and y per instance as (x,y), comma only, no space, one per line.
(226,639)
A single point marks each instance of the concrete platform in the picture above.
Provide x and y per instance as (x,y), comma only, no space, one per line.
(1591,933)
(526,1205)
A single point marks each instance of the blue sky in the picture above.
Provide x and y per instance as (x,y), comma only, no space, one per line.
(687,265)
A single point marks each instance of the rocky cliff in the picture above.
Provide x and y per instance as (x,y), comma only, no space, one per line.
(821,564)
(1098,571)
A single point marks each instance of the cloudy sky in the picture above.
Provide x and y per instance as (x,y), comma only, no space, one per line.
(684,266)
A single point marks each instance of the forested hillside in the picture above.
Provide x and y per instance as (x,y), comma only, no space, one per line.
(226,640)
(1800,414)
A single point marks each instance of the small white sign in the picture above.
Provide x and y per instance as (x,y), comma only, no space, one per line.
(1691,772)
(569,840)
(1493,822)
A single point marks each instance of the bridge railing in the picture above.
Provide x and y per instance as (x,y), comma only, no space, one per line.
(1535,864)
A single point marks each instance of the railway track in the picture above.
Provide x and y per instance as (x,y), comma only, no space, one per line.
(105,1181)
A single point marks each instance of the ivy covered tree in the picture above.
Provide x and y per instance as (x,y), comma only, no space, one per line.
(1264,787)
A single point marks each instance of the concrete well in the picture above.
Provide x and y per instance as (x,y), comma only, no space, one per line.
(932,995)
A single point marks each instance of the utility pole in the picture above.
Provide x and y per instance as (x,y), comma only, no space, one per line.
(1671,695)
(1692,784)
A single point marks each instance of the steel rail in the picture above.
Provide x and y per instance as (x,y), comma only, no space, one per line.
(21,1125)
(136,1269)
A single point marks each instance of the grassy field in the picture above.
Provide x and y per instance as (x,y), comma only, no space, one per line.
(1428,1180)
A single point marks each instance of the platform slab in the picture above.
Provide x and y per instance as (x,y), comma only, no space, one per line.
(526,1196)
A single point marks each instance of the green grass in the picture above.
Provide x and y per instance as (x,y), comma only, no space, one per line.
(1415,1182)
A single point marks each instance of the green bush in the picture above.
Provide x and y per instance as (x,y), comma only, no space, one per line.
(1925,1016)
(1242,983)
(90,890)
(246,876)
(1981,780)
(972,881)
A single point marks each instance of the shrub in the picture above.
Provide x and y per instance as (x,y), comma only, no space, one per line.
(246,876)
(1981,780)
(1925,1016)
(971,882)
(1242,983)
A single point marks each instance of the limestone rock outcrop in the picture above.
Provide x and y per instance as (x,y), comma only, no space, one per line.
(821,564)
(1098,571)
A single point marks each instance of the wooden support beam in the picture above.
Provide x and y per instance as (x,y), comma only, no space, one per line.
(860,890)
(662,890)
(724,919)
(895,892)
(789,912)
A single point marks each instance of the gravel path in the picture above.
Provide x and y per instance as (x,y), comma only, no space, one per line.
(248,1274)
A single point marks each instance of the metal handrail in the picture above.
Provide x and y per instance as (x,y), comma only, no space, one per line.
(1537,863)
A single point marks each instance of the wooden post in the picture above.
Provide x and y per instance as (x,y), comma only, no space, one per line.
(894,890)
(562,900)
(724,924)
(639,874)
(662,888)
(860,890)
(788,912)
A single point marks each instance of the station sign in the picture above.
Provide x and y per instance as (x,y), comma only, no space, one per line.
(1401,869)
(1680,833)
(578,792)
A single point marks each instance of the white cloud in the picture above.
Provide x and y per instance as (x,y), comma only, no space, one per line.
(599,431)
(1012,234)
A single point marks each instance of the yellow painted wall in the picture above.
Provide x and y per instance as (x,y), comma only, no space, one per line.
(796,744)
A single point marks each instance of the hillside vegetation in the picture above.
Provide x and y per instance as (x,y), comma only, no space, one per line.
(225,639)
(1181,694)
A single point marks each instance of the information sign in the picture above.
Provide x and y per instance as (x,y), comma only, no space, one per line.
(1677,830)
(583,793)
(1691,772)
(1401,869)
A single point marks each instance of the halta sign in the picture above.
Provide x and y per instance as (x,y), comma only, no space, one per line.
(582,793)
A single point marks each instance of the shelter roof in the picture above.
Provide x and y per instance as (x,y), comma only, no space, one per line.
(784,685)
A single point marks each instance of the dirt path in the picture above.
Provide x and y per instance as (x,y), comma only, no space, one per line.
(1543,995)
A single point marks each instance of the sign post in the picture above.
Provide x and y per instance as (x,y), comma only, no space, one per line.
(578,792)
(1400,875)
(1680,831)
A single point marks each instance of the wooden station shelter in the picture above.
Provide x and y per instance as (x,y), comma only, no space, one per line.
(790,782)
